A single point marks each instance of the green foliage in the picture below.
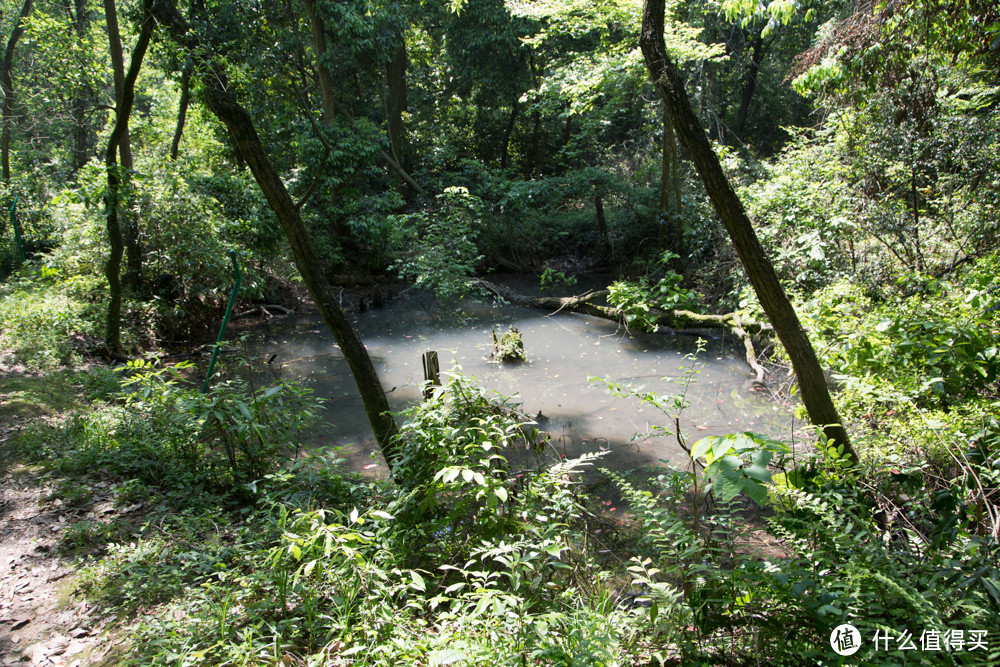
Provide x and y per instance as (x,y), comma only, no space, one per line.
(936,347)
(551,277)
(737,463)
(169,436)
(48,322)
(442,243)
(636,300)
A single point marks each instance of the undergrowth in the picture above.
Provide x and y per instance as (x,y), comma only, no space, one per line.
(275,558)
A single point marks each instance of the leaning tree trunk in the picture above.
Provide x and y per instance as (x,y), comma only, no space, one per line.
(241,128)
(812,382)
(7,83)
(112,269)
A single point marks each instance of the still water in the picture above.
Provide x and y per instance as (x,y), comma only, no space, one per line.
(564,351)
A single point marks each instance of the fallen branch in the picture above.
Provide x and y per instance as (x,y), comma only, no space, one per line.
(670,319)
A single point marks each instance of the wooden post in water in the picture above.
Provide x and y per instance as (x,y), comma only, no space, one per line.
(432,373)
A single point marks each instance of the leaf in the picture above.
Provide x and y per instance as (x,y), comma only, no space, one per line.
(447,656)
(754,490)
(354,515)
(379,514)
(991,590)
(758,473)
(730,463)
(702,446)
(417,582)
(501,493)
(296,552)
(727,486)
(467,475)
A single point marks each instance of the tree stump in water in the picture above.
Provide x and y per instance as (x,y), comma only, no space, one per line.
(432,373)
(508,346)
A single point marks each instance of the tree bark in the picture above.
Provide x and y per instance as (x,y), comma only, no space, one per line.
(756,55)
(507,134)
(182,106)
(112,269)
(811,380)
(330,106)
(323,73)
(670,189)
(7,83)
(395,103)
(602,223)
(130,228)
(241,127)
(84,136)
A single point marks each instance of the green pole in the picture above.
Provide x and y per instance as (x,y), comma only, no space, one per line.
(17,229)
(225,320)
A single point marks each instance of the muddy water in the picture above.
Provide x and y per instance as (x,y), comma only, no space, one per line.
(564,350)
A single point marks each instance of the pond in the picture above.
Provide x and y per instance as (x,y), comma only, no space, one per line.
(565,351)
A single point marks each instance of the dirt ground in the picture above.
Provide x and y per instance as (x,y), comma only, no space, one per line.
(41,621)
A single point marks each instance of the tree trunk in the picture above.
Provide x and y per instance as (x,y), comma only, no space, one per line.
(319,46)
(84,137)
(7,83)
(112,195)
(812,383)
(670,189)
(330,106)
(395,103)
(182,106)
(507,134)
(130,228)
(602,223)
(756,54)
(536,131)
(241,127)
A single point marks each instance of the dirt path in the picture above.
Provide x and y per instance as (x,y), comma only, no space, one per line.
(40,621)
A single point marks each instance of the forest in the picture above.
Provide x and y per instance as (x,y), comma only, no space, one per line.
(807,190)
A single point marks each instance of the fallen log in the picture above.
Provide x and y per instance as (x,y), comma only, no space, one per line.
(584,304)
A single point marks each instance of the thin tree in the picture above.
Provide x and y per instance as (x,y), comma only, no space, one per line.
(811,380)
(7,83)
(130,228)
(112,269)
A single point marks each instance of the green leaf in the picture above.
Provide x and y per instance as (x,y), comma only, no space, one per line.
(727,486)
(754,490)
(702,446)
